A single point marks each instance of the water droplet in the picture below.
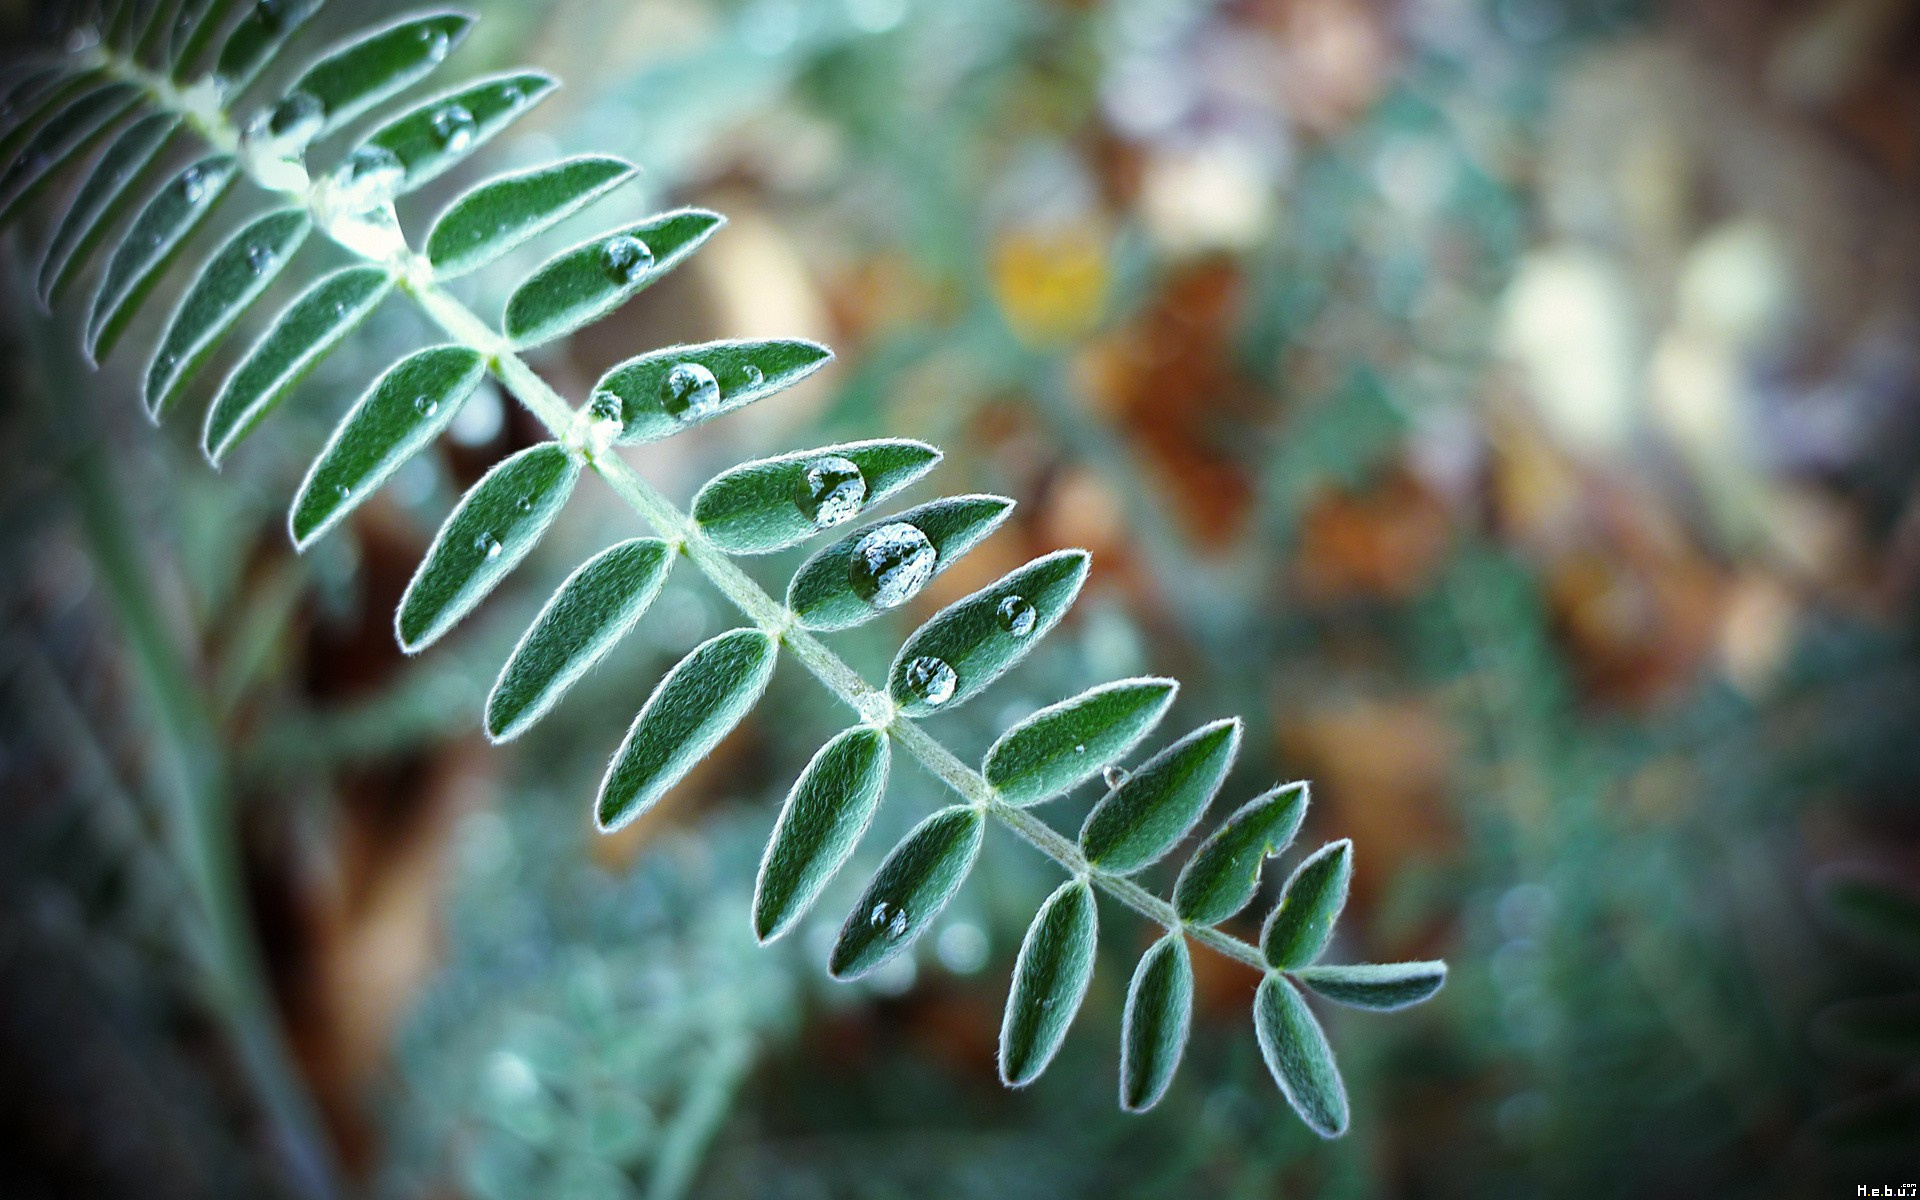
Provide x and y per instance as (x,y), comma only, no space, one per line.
(425,405)
(259,258)
(344,491)
(454,127)
(514,95)
(1080,748)
(168,362)
(690,392)
(488,545)
(1017,615)
(436,42)
(526,504)
(890,564)
(84,38)
(930,678)
(752,375)
(1113,777)
(285,129)
(193,185)
(890,917)
(625,258)
(606,405)
(368,177)
(830,490)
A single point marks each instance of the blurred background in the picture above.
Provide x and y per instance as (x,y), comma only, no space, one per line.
(1510,407)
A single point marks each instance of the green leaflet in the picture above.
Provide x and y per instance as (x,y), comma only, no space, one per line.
(1883,1027)
(760,507)
(911,887)
(63,138)
(353,78)
(665,391)
(330,309)
(1382,987)
(1298,1055)
(1298,928)
(1224,872)
(583,619)
(972,642)
(505,211)
(493,527)
(230,281)
(1062,744)
(1876,913)
(406,408)
(193,32)
(825,815)
(822,594)
(256,39)
(1158,1019)
(39,102)
(699,702)
(151,46)
(586,282)
(446,129)
(150,245)
(1153,808)
(1049,981)
(107,193)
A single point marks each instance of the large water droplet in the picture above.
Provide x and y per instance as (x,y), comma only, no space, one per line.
(830,490)
(453,127)
(285,129)
(436,42)
(889,917)
(752,375)
(343,491)
(890,564)
(259,258)
(368,177)
(1113,777)
(488,545)
(690,391)
(625,258)
(605,405)
(1017,615)
(930,678)
(425,405)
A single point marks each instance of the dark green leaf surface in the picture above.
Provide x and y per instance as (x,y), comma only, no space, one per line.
(821,593)
(908,891)
(1299,927)
(150,46)
(1382,987)
(505,211)
(256,39)
(1877,913)
(971,639)
(191,36)
(1158,1019)
(1155,806)
(101,201)
(446,129)
(1049,981)
(494,526)
(349,80)
(1065,743)
(64,137)
(586,282)
(330,309)
(760,507)
(39,104)
(824,817)
(1223,874)
(742,372)
(404,410)
(1297,1053)
(583,619)
(697,704)
(230,281)
(155,237)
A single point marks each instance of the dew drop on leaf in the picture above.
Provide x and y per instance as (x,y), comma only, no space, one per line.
(526,504)
(753,375)
(625,258)
(193,185)
(365,179)
(889,917)
(1113,777)
(259,258)
(689,391)
(891,564)
(1016,615)
(284,130)
(453,127)
(930,679)
(436,42)
(344,491)
(830,490)
(425,405)
(488,545)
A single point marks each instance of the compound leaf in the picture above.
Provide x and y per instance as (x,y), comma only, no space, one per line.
(1065,743)
(1223,874)
(583,619)
(331,308)
(586,282)
(101,200)
(1154,807)
(1297,1053)
(911,887)
(665,391)
(825,815)
(1298,928)
(760,507)
(973,641)
(230,281)
(1382,987)
(1156,1024)
(352,78)
(151,243)
(1049,981)
(500,214)
(822,592)
(699,702)
(446,129)
(404,410)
